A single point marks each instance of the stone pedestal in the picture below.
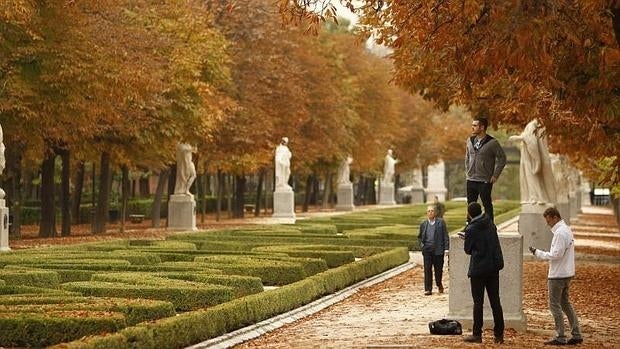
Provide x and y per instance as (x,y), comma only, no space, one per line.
(510,285)
(386,197)
(574,205)
(436,182)
(4,227)
(417,188)
(345,198)
(534,228)
(284,205)
(182,212)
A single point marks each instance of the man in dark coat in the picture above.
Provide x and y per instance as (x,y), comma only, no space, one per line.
(434,241)
(482,244)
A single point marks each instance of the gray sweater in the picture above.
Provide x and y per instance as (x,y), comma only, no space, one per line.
(488,161)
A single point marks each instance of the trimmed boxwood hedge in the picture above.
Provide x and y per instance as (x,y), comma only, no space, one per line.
(196,326)
(332,258)
(25,277)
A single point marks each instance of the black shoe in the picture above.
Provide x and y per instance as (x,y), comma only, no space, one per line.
(574,341)
(499,340)
(473,339)
(440,289)
(428,293)
(554,342)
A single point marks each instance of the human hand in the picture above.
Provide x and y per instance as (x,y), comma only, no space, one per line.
(493,179)
(532,249)
(461,235)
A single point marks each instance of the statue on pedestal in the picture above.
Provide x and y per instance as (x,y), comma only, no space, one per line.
(283,164)
(186,171)
(388,168)
(344,171)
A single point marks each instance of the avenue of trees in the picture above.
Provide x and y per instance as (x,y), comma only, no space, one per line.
(555,60)
(113,85)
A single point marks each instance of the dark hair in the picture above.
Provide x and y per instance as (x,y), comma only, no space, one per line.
(483,122)
(552,212)
(474,209)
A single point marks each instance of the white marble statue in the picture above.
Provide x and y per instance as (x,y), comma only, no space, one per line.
(283,164)
(344,171)
(559,167)
(535,174)
(388,168)
(186,171)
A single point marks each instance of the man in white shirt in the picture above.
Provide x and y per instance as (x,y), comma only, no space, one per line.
(561,257)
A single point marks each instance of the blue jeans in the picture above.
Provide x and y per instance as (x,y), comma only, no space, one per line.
(559,302)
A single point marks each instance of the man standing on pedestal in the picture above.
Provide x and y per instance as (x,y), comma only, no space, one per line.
(484,161)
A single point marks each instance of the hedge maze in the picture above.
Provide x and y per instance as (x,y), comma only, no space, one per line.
(195,286)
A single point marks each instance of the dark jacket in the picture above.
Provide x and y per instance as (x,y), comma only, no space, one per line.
(482,243)
(441,236)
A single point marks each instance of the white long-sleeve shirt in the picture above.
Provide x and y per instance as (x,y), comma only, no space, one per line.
(561,255)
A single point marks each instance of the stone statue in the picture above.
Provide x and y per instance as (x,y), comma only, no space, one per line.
(283,164)
(558,165)
(388,168)
(186,171)
(535,174)
(344,172)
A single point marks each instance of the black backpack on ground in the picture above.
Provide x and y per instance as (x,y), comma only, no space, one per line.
(445,326)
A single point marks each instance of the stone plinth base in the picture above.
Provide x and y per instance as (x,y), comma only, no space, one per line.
(564,209)
(574,206)
(417,195)
(386,196)
(510,285)
(284,205)
(534,228)
(4,227)
(440,192)
(345,198)
(182,212)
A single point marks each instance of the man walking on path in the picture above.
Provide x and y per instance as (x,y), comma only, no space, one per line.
(434,242)
(482,244)
(561,257)
(484,161)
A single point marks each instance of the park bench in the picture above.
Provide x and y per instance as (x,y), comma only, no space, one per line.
(136,218)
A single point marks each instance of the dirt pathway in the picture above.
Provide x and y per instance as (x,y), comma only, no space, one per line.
(394,313)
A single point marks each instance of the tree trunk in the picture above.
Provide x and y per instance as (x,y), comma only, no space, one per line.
(65,192)
(326,189)
(371,193)
(125,189)
(101,212)
(203,212)
(93,201)
(314,200)
(77,191)
(259,191)
(172,179)
(229,189)
(200,194)
(144,187)
(159,193)
(219,189)
(309,183)
(240,183)
(47,226)
(15,192)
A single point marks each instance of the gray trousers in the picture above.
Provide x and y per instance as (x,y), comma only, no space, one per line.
(559,302)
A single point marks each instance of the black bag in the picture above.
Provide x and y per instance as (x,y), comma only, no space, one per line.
(445,326)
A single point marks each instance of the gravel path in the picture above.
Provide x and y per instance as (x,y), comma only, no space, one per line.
(395,313)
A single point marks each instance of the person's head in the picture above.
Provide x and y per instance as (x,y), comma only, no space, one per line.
(390,152)
(552,216)
(284,141)
(479,126)
(474,210)
(430,212)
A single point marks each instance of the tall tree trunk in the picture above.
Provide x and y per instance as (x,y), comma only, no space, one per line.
(396,185)
(105,177)
(172,180)
(371,193)
(159,194)
(14,189)
(309,184)
(93,201)
(77,191)
(144,186)
(205,190)
(47,226)
(259,191)
(229,191)
(219,189)
(200,193)
(314,200)
(65,192)
(359,198)
(240,182)
(326,189)
(125,189)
